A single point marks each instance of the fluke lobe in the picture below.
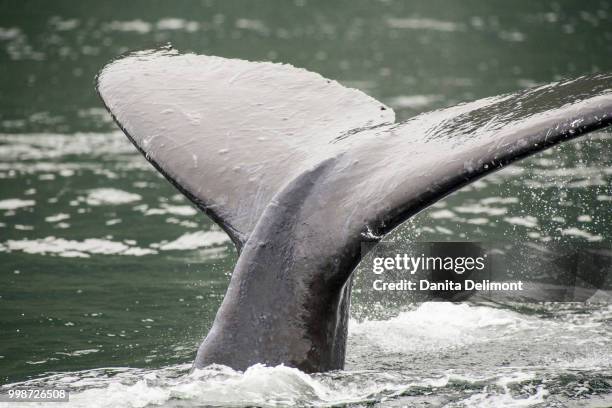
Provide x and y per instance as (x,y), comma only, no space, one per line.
(299,171)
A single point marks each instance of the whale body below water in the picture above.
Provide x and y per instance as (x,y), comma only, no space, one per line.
(299,171)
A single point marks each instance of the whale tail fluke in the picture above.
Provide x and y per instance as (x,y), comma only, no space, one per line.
(229,133)
(298,170)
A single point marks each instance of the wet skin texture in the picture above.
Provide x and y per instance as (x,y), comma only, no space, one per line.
(300,171)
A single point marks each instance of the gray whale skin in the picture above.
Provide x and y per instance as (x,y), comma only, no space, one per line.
(299,170)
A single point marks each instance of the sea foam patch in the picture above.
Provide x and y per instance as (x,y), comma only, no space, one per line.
(111,196)
(45,146)
(579,233)
(101,246)
(266,386)
(57,217)
(15,203)
(194,240)
(73,249)
(181,210)
(438,326)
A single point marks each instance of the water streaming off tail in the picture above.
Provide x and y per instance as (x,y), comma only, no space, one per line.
(436,354)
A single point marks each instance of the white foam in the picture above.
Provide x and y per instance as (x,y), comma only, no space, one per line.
(576,232)
(526,221)
(71,249)
(264,386)
(77,353)
(442,214)
(480,209)
(423,24)
(9,33)
(182,210)
(57,217)
(61,24)
(194,240)
(38,146)
(438,325)
(15,203)
(136,251)
(478,221)
(443,230)
(138,26)
(259,384)
(499,200)
(413,101)
(184,223)
(97,246)
(512,36)
(111,196)
(177,24)
(252,25)
(217,386)
(505,399)
(491,397)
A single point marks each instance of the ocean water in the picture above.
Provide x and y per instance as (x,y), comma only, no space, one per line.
(109,278)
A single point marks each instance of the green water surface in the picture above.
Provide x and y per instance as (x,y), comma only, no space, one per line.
(67,311)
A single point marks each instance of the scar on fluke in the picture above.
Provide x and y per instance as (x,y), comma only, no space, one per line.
(309,165)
